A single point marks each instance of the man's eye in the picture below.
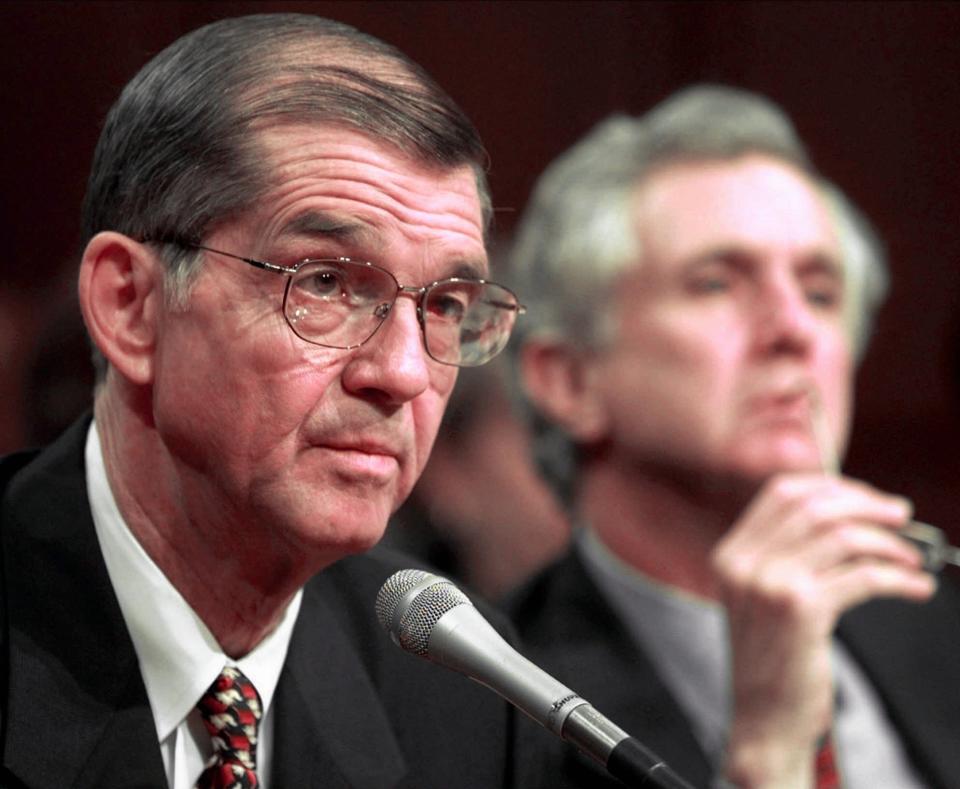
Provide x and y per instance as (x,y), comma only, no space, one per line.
(451,302)
(448,307)
(712,284)
(823,292)
(327,284)
(821,297)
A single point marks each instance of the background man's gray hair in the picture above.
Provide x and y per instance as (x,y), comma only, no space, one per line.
(577,233)
(179,149)
(866,275)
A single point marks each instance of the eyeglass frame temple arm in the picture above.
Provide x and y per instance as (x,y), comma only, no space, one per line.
(252,261)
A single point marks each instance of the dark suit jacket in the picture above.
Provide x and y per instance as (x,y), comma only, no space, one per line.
(910,652)
(352,710)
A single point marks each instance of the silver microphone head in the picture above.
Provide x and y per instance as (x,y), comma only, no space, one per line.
(410,603)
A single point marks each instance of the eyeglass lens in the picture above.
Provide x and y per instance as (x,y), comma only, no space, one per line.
(341,304)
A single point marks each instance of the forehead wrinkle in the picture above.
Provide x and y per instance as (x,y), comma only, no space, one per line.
(377,169)
(358,192)
(371,204)
(415,206)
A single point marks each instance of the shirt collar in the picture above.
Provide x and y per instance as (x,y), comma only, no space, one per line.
(179,657)
(685,636)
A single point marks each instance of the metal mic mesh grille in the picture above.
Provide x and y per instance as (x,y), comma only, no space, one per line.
(418,620)
(392,592)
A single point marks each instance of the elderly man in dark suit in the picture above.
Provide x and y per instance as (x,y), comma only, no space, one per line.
(701,297)
(283,269)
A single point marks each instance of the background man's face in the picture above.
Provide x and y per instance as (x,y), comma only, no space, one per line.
(733,314)
(313,445)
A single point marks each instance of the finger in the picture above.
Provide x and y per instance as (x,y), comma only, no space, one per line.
(770,519)
(796,584)
(849,541)
(853,583)
(792,506)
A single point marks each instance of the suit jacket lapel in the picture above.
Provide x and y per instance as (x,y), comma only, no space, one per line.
(77,712)
(603,663)
(911,653)
(331,729)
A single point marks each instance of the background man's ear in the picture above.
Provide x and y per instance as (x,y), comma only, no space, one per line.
(121,293)
(560,382)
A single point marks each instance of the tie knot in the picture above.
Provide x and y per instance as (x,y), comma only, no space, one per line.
(231,712)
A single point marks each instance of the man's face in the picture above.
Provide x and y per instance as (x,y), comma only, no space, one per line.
(733,315)
(311,446)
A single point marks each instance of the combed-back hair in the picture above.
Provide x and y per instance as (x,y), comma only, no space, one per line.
(577,233)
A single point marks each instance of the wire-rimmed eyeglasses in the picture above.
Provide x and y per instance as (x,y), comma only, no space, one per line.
(341,303)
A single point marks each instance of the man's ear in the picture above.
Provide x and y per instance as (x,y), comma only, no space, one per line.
(121,293)
(561,382)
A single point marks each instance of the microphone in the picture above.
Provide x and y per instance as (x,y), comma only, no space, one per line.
(429,616)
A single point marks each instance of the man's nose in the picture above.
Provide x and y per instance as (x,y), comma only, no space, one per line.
(392,365)
(785,318)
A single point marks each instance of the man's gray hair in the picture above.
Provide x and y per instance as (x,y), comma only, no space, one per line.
(865,272)
(179,149)
(577,233)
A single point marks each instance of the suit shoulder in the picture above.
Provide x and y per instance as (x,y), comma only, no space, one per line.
(11,464)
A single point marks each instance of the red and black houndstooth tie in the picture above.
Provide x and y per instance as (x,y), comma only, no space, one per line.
(231,712)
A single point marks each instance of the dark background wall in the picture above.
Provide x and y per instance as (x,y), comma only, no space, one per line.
(873,87)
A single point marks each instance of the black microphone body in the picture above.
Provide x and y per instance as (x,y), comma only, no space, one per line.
(430,617)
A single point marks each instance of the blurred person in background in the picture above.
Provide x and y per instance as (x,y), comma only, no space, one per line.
(480,511)
(698,299)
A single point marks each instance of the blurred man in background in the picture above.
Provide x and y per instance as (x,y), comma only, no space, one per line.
(698,299)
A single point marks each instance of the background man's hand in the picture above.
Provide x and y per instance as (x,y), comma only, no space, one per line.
(808,548)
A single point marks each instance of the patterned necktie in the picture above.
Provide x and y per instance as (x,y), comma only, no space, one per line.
(231,712)
(827,774)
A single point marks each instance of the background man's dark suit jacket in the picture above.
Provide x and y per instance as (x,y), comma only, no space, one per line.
(352,710)
(911,653)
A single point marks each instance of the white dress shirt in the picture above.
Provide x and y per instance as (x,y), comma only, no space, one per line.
(686,638)
(179,657)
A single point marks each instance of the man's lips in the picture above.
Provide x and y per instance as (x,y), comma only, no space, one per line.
(783,392)
(356,463)
(783,405)
(365,447)
(363,457)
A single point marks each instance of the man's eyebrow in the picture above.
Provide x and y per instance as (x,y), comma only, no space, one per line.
(316,224)
(815,258)
(719,253)
(824,261)
(468,269)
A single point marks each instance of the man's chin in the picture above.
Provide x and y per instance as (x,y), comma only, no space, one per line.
(787,452)
(758,469)
(333,532)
